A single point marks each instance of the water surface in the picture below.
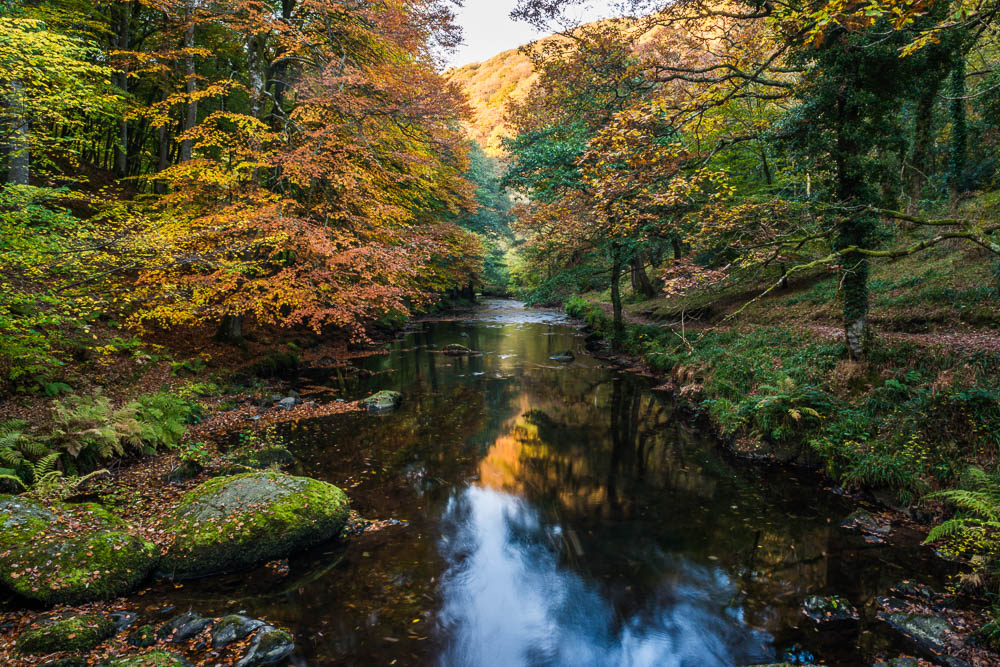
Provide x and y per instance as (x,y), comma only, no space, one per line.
(555,514)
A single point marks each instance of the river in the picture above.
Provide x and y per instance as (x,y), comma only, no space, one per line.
(554,514)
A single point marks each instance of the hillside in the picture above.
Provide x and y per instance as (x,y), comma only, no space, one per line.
(489,86)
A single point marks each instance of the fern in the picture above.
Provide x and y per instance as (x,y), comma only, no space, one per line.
(978,507)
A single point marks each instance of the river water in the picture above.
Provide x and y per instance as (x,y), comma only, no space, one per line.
(553,515)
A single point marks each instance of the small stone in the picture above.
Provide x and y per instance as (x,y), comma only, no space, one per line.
(269,646)
(874,529)
(288,403)
(829,610)
(233,628)
(183,627)
(566,356)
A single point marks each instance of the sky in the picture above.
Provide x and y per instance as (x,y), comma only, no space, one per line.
(489,30)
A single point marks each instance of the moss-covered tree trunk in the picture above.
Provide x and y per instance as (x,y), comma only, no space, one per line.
(959,133)
(917,167)
(854,230)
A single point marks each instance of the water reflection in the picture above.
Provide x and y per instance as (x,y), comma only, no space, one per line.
(556,515)
(508,599)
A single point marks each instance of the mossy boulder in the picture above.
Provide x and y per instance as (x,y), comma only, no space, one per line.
(232,523)
(152,659)
(100,565)
(63,553)
(381,401)
(77,633)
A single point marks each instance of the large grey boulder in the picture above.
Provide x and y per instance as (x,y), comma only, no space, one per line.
(232,523)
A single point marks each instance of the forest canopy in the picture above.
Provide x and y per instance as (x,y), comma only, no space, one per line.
(747,140)
(226,163)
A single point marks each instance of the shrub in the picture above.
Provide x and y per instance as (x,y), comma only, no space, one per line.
(91,430)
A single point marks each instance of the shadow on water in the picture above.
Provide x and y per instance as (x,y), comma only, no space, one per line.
(557,514)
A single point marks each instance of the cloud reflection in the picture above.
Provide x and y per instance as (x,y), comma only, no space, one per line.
(508,600)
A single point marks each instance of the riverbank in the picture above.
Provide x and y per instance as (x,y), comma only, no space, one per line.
(888,433)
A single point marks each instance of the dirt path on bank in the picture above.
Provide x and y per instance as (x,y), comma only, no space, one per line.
(971,341)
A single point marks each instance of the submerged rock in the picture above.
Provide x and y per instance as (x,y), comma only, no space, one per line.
(829,610)
(874,529)
(456,350)
(232,523)
(381,401)
(234,628)
(566,356)
(124,620)
(270,646)
(77,633)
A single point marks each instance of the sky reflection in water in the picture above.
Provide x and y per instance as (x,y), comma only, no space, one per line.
(507,600)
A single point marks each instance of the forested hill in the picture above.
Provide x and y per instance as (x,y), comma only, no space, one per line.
(490,85)
(507,77)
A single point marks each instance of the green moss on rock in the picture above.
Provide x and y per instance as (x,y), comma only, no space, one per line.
(383,400)
(232,523)
(22,519)
(78,633)
(153,659)
(143,637)
(55,569)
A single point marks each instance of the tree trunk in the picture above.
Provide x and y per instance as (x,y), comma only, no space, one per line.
(163,150)
(959,134)
(676,244)
(230,329)
(191,81)
(920,154)
(616,301)
(853,189)
(640,281)
(123,40)
(19,156)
